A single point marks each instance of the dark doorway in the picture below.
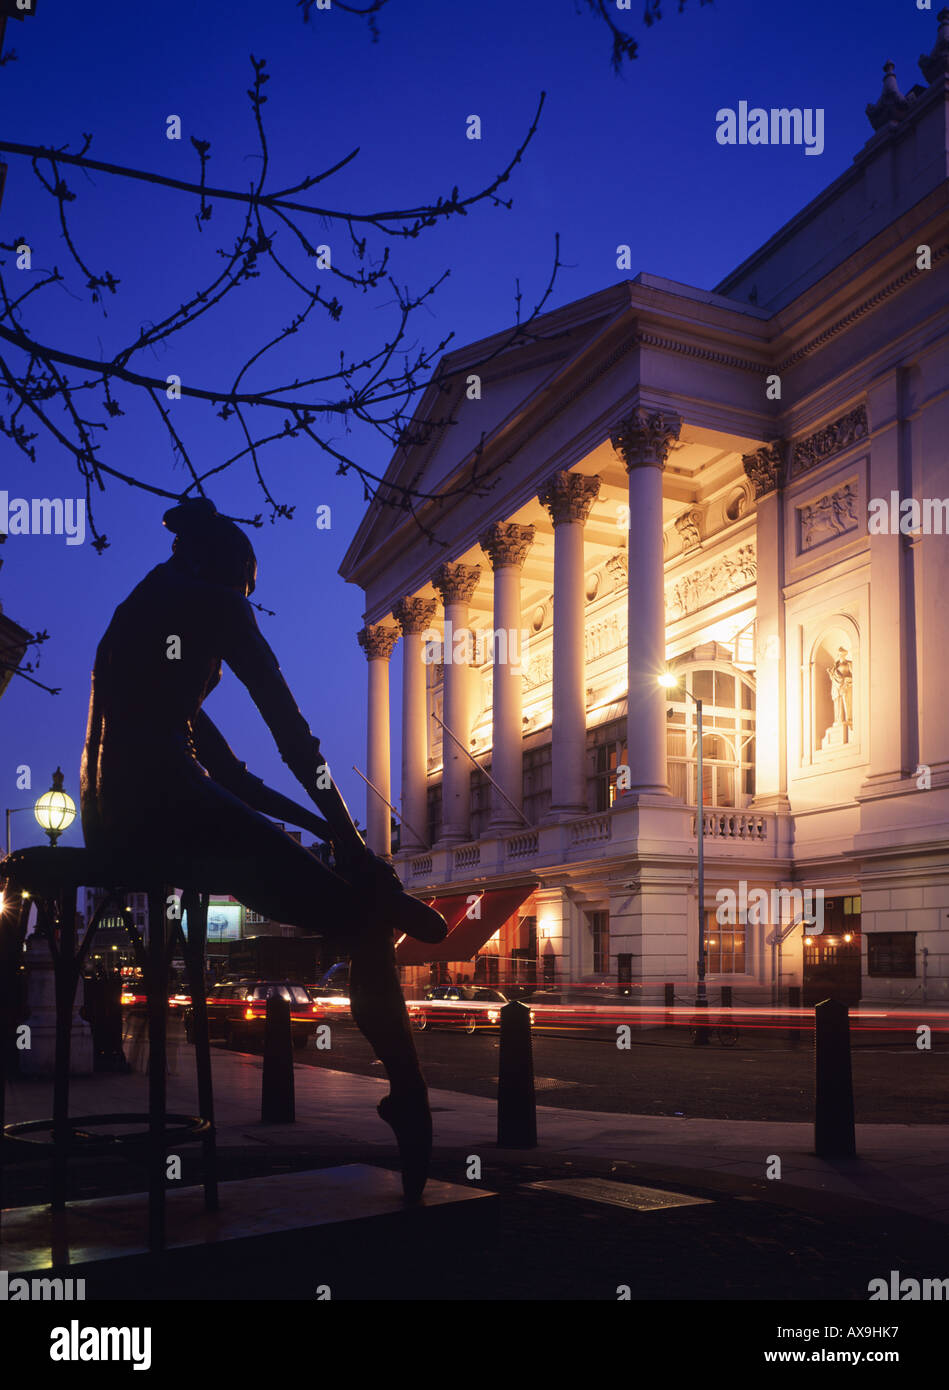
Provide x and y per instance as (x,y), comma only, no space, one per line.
(832,960)
(525,956)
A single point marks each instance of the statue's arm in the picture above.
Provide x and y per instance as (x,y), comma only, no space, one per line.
(215,754)
(254,663)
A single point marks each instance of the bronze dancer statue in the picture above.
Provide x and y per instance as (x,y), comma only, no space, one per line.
(156,773)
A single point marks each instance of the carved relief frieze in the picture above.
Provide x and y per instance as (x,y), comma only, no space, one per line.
(834,514)
(708,583)
(830,440)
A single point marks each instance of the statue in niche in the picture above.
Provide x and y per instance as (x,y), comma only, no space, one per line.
(159,779)
(841,686)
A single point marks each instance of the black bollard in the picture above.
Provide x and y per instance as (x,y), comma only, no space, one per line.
(670,999)
(277,1102)
(726,996)
(517,1111)
(833,1097)
(794,1002)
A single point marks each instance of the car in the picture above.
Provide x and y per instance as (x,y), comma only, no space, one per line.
(237,1011)
(459,1006)
(332,1002)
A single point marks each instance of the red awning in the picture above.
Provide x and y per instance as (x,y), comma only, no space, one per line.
(466,933)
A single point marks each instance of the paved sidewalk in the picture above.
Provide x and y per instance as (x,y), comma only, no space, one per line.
(905,1167)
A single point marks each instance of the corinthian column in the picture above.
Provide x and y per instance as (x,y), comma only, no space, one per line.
(506,544)
(456,583)
(568,498)
(643,441)
(377,642)
(764,468)
(414,616)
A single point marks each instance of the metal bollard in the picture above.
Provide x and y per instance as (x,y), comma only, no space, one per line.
(726,996)
(517,1108)
(833,1092)
(277,1105)
(794,1002)
(670,999)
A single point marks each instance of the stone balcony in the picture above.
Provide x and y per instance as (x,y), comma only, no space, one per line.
(606,835)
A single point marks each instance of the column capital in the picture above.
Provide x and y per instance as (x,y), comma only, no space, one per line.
(765,467)
(414,614)
(456,582)
(377,640)
(644,438)
(569,496)
(507,543)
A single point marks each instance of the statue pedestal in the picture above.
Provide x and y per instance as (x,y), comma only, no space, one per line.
(837,736)
(39,1059)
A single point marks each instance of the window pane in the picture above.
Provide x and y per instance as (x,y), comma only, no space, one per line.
(678,782)
(703,685)
(724,689)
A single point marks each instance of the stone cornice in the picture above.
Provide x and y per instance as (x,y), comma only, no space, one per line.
(684,349)
(377,641)
(456,582)
(507,543)
(865,307)
(414,614)
(569,496)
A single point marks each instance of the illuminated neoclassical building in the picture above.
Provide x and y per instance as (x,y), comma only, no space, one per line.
(679,481)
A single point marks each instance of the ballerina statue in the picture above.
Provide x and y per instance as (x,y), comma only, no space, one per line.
(159,659)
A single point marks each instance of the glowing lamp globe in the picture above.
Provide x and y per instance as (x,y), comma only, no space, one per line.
(55,809)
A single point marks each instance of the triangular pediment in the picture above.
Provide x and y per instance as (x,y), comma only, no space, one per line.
(485,390)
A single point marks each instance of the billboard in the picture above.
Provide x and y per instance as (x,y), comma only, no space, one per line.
(224,922)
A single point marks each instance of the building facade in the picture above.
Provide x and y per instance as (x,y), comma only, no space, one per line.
(746,491)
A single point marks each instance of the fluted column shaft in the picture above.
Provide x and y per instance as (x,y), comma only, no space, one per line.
(414,616)
(506,544)
(456,584)
(643,441)
(568,498)
(377,641)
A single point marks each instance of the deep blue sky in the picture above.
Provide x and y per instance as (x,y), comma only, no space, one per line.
(630,159)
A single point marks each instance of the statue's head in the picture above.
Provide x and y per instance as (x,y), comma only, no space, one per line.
(211,546)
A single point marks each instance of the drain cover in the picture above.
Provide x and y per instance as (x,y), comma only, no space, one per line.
(552,1083)
(619,1194)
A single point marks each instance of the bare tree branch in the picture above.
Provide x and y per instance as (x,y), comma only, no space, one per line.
(379,390)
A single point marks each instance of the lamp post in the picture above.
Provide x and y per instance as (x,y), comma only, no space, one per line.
(12,811)
(55,809)
(670,682)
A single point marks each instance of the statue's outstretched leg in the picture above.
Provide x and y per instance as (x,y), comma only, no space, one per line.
(357,908)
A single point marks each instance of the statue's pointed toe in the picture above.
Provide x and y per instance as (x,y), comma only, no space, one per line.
(411,1121)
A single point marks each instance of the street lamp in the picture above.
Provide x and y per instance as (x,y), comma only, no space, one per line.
(670,682)
(55,809)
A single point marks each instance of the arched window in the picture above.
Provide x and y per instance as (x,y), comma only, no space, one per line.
(728,735)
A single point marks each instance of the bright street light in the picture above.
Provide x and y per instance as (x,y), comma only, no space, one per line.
(55,810)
